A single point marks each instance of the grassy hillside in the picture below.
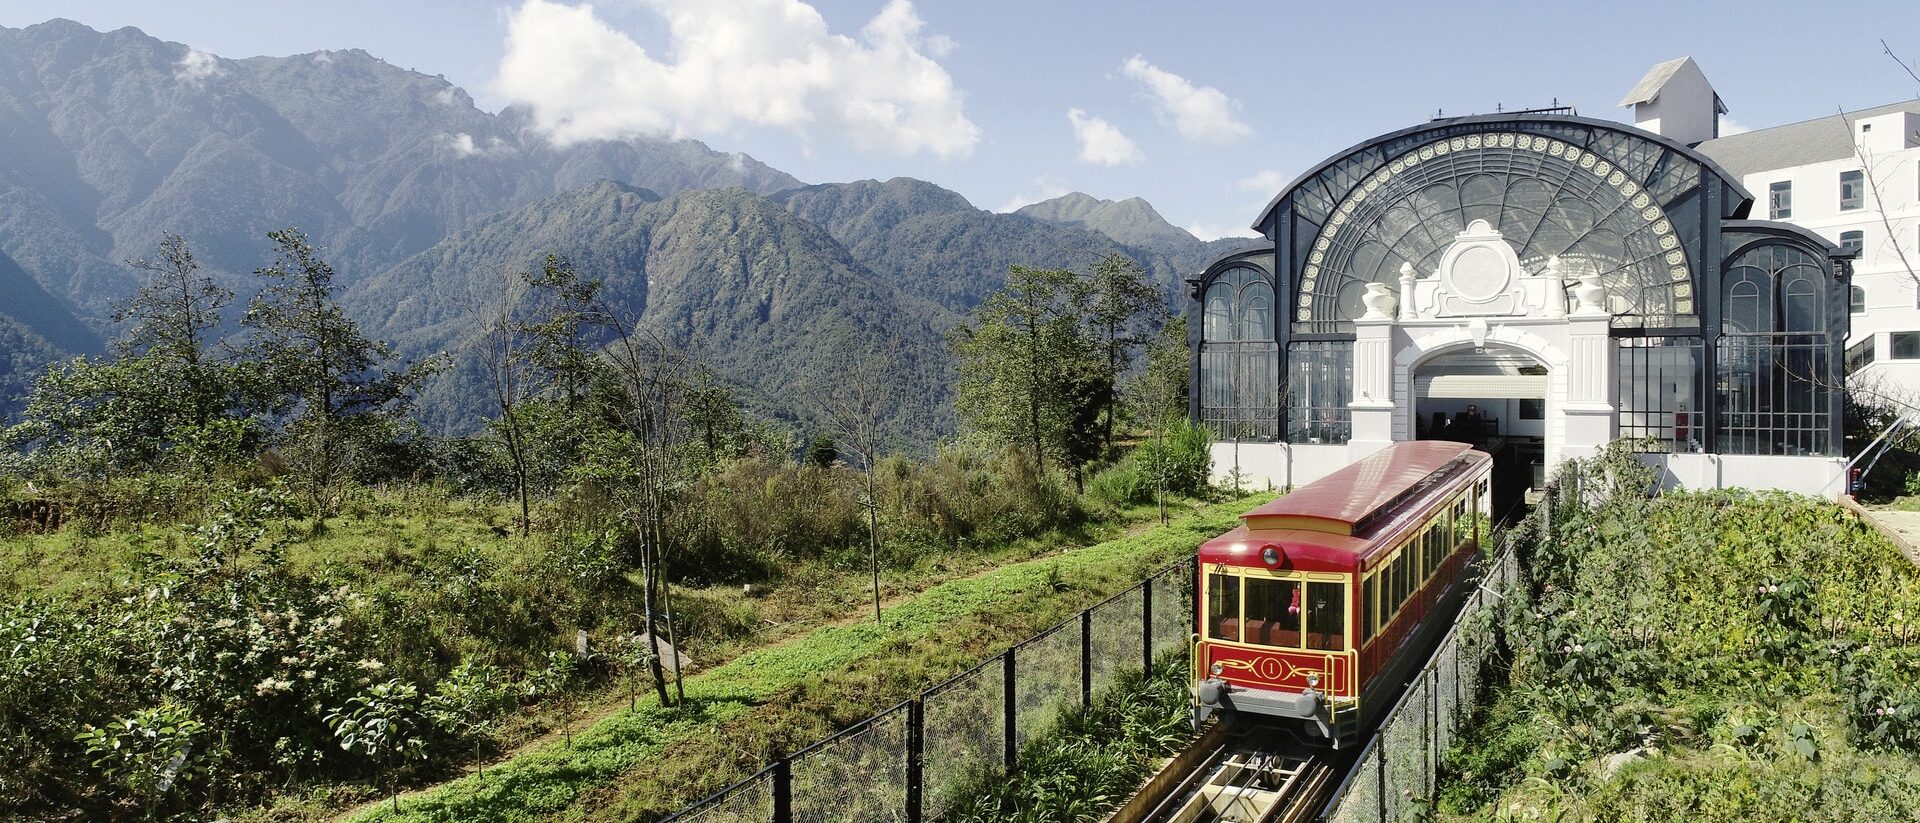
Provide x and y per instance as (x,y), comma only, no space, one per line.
(1704,657)
(647,763)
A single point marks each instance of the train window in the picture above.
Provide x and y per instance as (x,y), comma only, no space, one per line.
(1403,576)
(1273,612)
(1326,616)
(1369,607)
(1223,606)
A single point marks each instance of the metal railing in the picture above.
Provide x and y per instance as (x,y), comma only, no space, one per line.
(915,762)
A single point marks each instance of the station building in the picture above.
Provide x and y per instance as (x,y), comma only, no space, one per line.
(1537,283)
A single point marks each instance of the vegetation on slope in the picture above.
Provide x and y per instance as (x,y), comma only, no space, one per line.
(648,763)
(1704,656)
(1095,757)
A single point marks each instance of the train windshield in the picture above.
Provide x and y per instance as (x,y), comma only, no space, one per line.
(1273,612)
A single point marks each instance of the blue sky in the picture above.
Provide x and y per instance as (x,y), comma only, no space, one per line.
(1010,102)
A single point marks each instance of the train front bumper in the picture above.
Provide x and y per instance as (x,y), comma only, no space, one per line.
(1215,694)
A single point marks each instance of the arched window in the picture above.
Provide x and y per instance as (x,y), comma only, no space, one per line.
(1745,313)
(1239,358)
(1857,300)
(1776,383)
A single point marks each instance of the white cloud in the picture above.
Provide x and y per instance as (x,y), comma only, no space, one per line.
(196,66)
(1211,232)
(447,96)
(1100,142)
(1048,188)
(1202,114)
(1267,181)
(462,144)
(322,58)
(1730,127)
(732,64)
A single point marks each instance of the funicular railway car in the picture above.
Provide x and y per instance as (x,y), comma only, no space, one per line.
(1315,610)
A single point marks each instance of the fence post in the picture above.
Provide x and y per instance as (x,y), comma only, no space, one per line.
(1086,658)
(1009,707)
(916,758)
(1380,777)
(782,788)
(1146,628)
(1433,736)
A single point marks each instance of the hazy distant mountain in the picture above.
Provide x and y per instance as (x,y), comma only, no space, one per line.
(932,243)
(108,140)
(1131,221)
(764,296)
(35,330)
(1134,221)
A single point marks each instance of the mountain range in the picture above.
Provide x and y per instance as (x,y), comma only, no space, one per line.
(423,201)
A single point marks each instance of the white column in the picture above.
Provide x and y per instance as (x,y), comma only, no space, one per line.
(1372,404)
(1588,408)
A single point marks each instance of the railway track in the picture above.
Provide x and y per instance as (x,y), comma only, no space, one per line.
(1252,774)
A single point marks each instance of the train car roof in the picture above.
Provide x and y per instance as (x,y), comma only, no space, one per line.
(1311,542)
(1344,502)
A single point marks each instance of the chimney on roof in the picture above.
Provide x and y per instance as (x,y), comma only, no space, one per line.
(1675,101)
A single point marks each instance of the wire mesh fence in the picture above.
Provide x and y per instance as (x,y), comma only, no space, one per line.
(858,774)
(1397,774)
(916,761)
(1115,638)
(965,726)
(1048,680)
(749,801)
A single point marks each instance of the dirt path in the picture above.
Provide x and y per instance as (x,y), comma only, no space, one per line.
(782,635)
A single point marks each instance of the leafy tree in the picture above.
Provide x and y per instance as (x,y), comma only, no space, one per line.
(557,680)
(1119,302)
(167,390)
(344,398)
(1030,373)
(384,724)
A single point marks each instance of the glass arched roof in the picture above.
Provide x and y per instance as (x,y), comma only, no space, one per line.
(1620,204)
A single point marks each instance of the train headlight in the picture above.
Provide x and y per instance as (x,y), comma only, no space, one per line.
(1271,554)
(1313,680)
(1217,669)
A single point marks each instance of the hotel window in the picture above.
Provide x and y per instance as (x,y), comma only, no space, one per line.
(1852,242)
(1860,355)
(1858,302)
(1780,200)
(1852,190)
(1906,345)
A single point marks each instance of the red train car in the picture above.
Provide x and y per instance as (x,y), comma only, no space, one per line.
(1315,608)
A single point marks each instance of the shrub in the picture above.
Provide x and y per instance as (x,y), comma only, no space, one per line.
(1122,484)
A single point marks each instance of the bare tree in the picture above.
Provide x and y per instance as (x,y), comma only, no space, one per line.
(506,356)
(856,409)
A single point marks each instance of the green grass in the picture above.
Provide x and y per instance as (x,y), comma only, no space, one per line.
(788,694)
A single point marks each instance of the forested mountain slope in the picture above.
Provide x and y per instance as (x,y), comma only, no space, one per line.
(936,245)
(767,298)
